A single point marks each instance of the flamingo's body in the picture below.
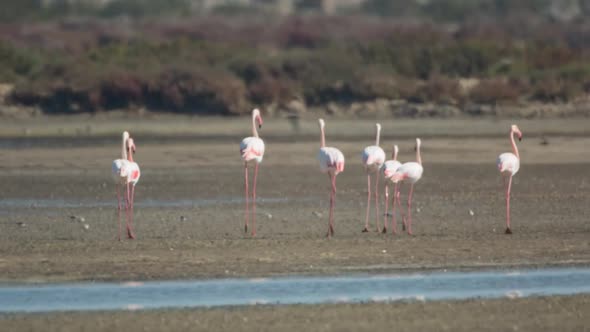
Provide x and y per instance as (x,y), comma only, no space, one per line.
(389,168)
(126,173)
(410,172)
(508,164)
(373,158)
(252,152)
(331,162)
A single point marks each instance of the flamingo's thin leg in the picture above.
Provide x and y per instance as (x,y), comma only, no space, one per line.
(131,213)
(332,204)
(366,229)
(508,229)
(386,208)
(410,209)
(254,201)
(117,187)
(395,200)
(377,200)
(246,212)
(127,207)
(401,210)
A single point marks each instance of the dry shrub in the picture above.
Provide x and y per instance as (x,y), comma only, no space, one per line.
(555,90)
(490,91)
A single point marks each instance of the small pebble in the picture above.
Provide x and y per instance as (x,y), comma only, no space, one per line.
(317,214)
(86,226)
(183,218)
(269,216)
(21,224)
(471,213)
(384,251)
(418,210)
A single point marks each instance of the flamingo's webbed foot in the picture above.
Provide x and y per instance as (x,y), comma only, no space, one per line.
(384,230)
(508,231)
(365,230)
(246,228)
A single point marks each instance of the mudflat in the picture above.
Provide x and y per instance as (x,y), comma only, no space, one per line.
(59,222)
(559,313)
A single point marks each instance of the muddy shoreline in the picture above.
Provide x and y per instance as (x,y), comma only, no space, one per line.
(563,313)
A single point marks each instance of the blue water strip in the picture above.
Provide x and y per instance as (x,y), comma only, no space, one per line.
(293,290)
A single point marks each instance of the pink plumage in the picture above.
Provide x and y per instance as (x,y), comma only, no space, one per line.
(508,164)
(410,172)
(126,173)
(331,162)
(388,170)
(252,152)
(373,158)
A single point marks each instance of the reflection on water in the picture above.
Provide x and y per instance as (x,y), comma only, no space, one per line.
(292,290)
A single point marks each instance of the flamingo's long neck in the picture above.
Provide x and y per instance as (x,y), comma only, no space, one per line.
(254,131)
(130,155)
(323,137)
(418,157)
(124,148)
(378,134)
(395,151)
(514,148)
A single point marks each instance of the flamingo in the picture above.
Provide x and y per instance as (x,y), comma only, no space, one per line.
(373,159)
(332,163)
(252,151)
(410,172)
(388,169)
(508,165)
(126,174)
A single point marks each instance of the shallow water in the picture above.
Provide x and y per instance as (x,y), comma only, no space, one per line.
(292,290)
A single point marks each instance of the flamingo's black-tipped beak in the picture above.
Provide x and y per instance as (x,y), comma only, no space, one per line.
(260,126)
(520,138)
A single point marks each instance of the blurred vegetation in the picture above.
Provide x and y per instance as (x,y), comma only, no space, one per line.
(225,65)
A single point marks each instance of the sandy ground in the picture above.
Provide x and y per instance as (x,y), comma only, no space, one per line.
(189,217)
(528,314)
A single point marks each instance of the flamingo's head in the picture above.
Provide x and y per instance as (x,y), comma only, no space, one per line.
(395,152)
(418,143)
(131,145)
(517,131)
(257,117)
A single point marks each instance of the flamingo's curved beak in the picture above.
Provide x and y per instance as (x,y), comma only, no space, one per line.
(259,119)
